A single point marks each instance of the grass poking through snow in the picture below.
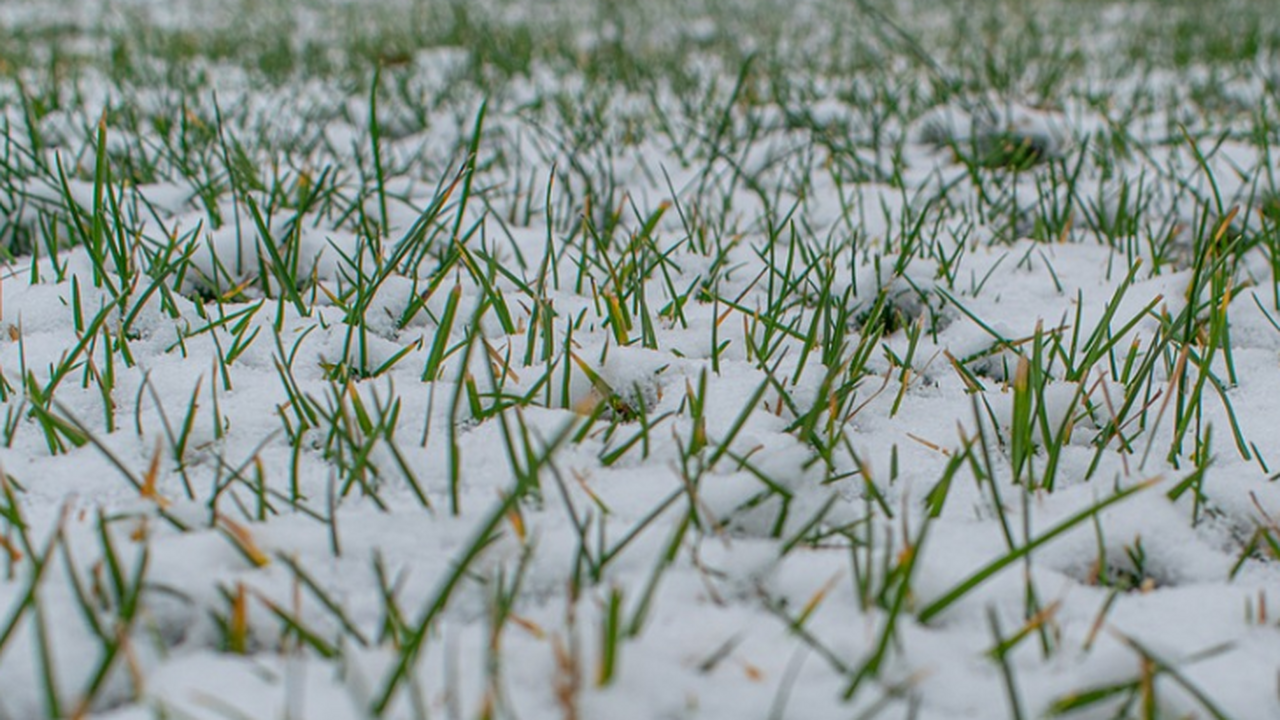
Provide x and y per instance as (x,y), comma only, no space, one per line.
(818,359)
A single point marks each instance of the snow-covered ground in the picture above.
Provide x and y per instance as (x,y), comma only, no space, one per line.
(705,360)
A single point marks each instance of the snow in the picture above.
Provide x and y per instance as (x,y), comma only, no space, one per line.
(703,528)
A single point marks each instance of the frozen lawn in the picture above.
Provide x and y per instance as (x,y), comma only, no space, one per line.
(725,360)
